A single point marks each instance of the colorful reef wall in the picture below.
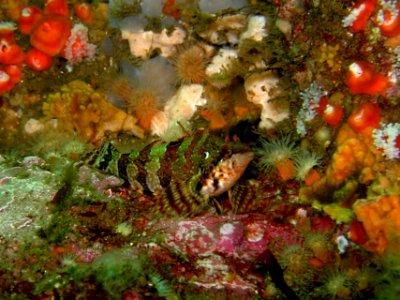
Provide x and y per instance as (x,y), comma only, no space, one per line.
(199,149)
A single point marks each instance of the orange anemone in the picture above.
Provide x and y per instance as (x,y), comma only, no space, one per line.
(50,34)
(38,60)
(83,11)
(362,78)
(6,84)
(364,11)
(15,72)
(390,22)
(28,18)
(57,7)
(10,53)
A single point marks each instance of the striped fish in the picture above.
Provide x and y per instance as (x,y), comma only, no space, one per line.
(182,175)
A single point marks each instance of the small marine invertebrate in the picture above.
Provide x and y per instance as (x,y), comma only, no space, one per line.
(145,107)
(319,245)
(333,114)
(387,140)
(7,31)
(305,161)
(278,154)
(50,33)
(367,115)
(311,102)
(295,260)
(342,243)
(145,92)
(10,52)
(362,78)
(75,147)
(9,76)
(77,47)
(83,11)
(28,18)
(336,285)
(15,72)
(38,60)
(6,84)
(163,287)
(190,64)
(359,15)
(388,18)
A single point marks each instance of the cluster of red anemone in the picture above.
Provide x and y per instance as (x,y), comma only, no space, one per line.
(331,112)
(388,19)
(48,31)
(362,76)
(11,56)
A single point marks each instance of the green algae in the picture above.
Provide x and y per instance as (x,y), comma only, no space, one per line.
(24,200)
(122,9)
(117,271)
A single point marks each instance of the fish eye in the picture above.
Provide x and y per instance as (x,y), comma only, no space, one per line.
(226,151)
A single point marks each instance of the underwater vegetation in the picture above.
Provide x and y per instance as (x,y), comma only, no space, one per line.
(199,149)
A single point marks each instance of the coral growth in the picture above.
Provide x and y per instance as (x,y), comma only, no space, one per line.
(79,107)
(381,222)
(353,155)
(261,89)
(328,54)
(142,43)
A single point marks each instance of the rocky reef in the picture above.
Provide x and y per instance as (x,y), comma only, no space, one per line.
(193,149)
